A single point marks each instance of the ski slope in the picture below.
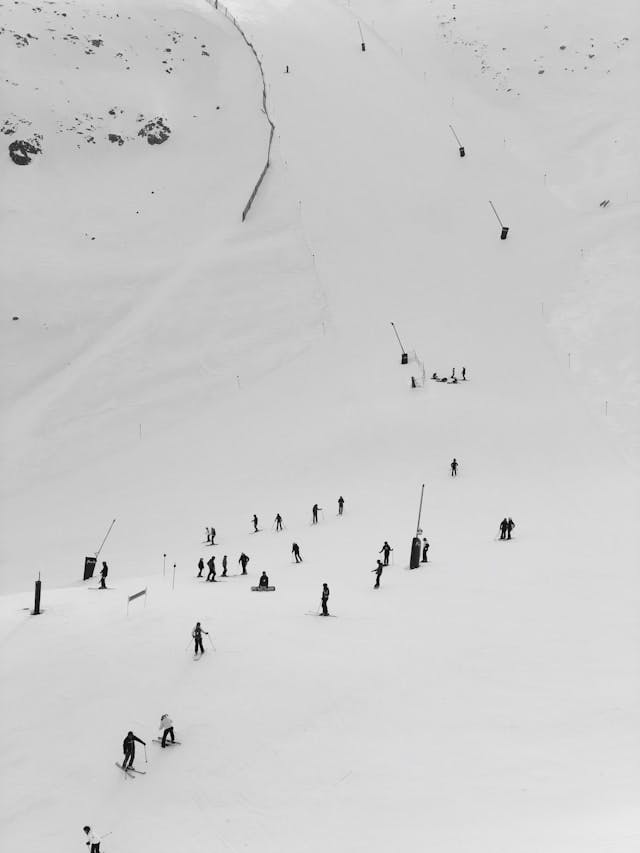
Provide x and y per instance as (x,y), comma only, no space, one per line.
(184,369)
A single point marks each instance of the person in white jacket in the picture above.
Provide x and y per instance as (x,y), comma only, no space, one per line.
(166,726)
(93,840)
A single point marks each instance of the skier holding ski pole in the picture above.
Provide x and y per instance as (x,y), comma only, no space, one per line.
(129,749)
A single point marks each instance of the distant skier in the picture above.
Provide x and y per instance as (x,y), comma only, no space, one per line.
(378,571)
(295,550)
(286,69)
(93,840)
(504,526)
(166,727)
(104,571)
(413,382)
(464,374)
(325,599)
(243,562)
(314,513)
(197,633)
(386,550)
(425,550)
(255,523)
(263,583)
(340,505)
(129,749)
(200,567)
(211,563)
(224,566)
(213,536)
(278,522)
(208,535)
(454,468)
(510,525)
(453,373)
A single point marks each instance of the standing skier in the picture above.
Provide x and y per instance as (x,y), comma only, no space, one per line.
(211,563)
(464,373)
(425,550)
(314,513)
(243,562)
(213,536)
(200,567)
(504,524)
(510,525)
(278,522)
(295,550)
(197,633)
(208,539)
(340,505)
(166,727)
(129,749)
(453,373)
(104,571)
(454,468)
(325,599)
(224,566)
(378,571)
(255,523)
(93,840)
(386,550)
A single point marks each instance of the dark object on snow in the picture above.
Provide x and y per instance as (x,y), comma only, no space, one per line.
(454,467)
(129,749)
(425,550)
(263,589)
(211,563)
(115,137)
(504,232)
(155,131)
(314,513)
(89,566)
(243,562)
(104,571)
(404,358)
(15,318)
(263,583)
(22,151)
(340,505)
(200,567)
(36,601)
(461,150)
(197,638)
(325,599)
(295,550)
(386,550)
(414,561)
(378,571)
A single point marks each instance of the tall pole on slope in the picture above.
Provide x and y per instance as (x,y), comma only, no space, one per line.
(105,538)
(505,228)
(414,562)
(404,359)
(362,44)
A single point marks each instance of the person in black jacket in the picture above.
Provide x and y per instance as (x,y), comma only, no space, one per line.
(504,524)
(255,523)
(211,563)
(425,551)
(340,505)
(200,567)
(378,571)
(264,581)
(314,513)
(104,571)
(129,749)
(278,522)
(295,550)
(197,638)
(325,599)
(224,566)
(243,562)
(386,550)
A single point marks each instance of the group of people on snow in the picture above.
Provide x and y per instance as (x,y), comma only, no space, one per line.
(453,379)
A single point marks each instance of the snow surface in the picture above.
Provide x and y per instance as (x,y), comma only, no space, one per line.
(183,369)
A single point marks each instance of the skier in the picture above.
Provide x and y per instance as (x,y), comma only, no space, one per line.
(425,550)
(453,373)
(166,727)
(224,566)
(211,563)
(340,505)
(278,522)
(464,374)
(314,513)
(286,69)
(295,550)
(386,550)
(413,382)
(378,571)
(510,525)
(255,523)
(197,633)
(93,840)
(213,535)
(264,581)
(325,599)
(200,567)
(104,571)
(129,749)
(454,468)
(504,524)
(208,539)
(243,562)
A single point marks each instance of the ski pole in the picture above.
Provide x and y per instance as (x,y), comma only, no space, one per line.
(211,641)
(145,753)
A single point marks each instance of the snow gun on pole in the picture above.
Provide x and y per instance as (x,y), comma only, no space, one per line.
(404,358)
(105,538)
(414,561)
(461,146)
(362,44)
(505,229)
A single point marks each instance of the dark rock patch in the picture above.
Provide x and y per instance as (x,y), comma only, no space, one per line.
(155,131)
(22,151)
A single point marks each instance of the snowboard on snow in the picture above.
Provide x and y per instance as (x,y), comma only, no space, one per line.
(263,588)
(168,743)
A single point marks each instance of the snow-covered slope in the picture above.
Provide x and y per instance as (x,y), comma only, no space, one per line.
(487,701)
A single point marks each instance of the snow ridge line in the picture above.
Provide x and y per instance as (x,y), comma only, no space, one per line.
(217,5)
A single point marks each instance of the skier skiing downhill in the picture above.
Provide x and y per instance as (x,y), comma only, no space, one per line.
(295,550)
(386,550)
(129,749)
(325,599)
(378,571)
(93,840)
(197,633)
(166,727)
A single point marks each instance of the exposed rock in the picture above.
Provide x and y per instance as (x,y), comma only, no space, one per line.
(155,131)
(115,137)
(22,151)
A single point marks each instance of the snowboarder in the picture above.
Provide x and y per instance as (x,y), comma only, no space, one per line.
(378,571)
(93,840)
(104,571)
(264,581)
(166,727)
(464,374)
(386,550)
(325,599)
(224,566)
(295,550)
(504,524)
(197,633)
(510,525)
(211,563)
(129,749)
(340,505)
(243,562)
(278,522)
(200,567)
(454,468)
(255,523)
(314,513)
(425,551)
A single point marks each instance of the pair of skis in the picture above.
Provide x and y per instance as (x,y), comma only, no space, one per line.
(130,770)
